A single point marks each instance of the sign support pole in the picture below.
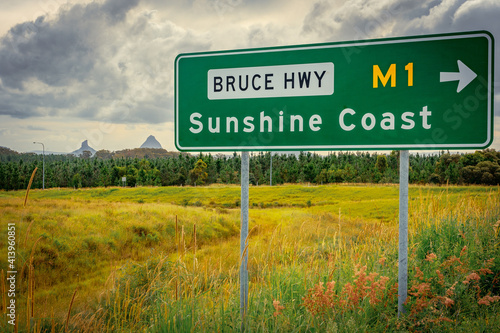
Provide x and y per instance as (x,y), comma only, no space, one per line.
(244,237)
(403,230)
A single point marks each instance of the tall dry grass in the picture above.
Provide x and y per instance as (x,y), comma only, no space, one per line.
(322,268)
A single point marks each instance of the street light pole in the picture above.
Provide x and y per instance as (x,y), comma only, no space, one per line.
(43,164)
(271,171)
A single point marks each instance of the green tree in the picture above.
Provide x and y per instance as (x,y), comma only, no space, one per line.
(489,172)
(381,163)
(198,174)
(322,177)
(76,181)
(447,168)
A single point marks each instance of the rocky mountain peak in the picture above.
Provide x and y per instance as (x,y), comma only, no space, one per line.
(151,142)
(85,147)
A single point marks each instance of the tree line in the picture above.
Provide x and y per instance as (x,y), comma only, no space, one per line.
(175,169)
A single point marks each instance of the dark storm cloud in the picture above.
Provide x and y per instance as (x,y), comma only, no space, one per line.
(36,128)
(59,51)
(462,16)
(117,9)
(99,61)
(134,114)
(21,104)
(51,67)
(362,19)
(16,110)
(314,20)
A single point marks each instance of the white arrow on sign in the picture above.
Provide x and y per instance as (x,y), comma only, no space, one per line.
(464,76)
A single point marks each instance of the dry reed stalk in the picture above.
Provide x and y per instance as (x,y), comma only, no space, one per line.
(177,268)
(194,238)
(33,250)
(165,311)
(69,310)
(126,312)
(127,289)
(317,228)
(29,186)
(28,313)
(53,329)
(91,320)
(4,294)
(151,284)
(32,285)
(139,306)
(39,326)
(183,242)
(194,248)
(340,233)
(28,232)
(270,250)
(29,299)
(176,234)
(109,284)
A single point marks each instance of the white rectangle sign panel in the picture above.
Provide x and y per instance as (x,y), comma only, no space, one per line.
(271,81)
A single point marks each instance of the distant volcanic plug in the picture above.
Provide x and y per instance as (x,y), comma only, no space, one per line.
(85,146)
(151,142)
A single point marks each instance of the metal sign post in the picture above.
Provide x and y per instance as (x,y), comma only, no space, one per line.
(403,230)
(244,237)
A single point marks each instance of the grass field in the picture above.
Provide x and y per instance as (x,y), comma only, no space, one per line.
(321,258)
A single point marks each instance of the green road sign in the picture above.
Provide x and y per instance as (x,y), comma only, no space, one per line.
(424,92)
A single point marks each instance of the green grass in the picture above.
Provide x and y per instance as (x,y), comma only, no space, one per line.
(120,248)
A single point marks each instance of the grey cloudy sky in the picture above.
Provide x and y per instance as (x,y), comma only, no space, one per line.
(103,70)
